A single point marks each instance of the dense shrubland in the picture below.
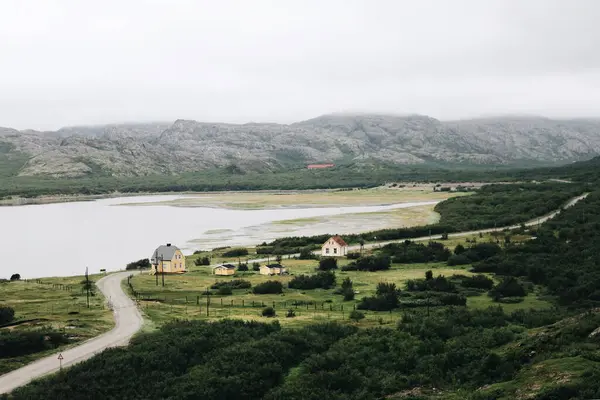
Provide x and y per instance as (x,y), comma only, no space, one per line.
(491,206)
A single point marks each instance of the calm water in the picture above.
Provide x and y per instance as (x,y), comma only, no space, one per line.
(62,239)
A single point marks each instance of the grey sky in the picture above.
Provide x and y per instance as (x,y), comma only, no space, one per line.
(86,62)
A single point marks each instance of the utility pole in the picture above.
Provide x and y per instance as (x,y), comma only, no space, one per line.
(207,302)
(156,266)
(87,286)
(163,270)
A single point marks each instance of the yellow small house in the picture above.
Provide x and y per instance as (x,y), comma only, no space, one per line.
(167,259)
(225,269)
(272,269)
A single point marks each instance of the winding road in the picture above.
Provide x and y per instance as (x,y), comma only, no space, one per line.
(128,319)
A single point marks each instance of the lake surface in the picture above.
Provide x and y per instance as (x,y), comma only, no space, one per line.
(63,239)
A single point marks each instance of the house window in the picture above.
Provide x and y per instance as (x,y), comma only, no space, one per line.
(327,250)
(334,251)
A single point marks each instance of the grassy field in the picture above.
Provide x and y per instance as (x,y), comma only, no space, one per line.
(309,198)
(48,306)
(182,298)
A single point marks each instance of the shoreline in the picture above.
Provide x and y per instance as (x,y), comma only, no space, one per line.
(15,201)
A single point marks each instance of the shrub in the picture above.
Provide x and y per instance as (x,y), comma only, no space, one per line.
(268,287)
(459,249)
(202,261)
(327,263)
(233,284)
(306,253)
(348,294)
(347,283)
(322,279)
(478,282)
(453,299)
(224,290)
(139,264)
(509,287)
(7,314)
(290,313)
(236,252)
(353,255)
(369,263)
(356,315)
(268,312)
(458,259)
(255,266)
(15,277)
(242,267)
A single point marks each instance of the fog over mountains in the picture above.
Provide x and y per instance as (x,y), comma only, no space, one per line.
(185,145)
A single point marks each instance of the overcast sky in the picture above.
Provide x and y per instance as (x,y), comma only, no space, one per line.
(102,61)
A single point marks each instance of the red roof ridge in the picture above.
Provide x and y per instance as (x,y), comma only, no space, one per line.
(338,239)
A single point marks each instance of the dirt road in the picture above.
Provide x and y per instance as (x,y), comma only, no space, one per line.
(128,321)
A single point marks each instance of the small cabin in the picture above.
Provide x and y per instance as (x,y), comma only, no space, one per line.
(335,246)
(272,269)
(167,259)
(225,269)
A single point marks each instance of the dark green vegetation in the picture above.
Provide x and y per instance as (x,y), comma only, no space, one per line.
(7,314)
(139,264)
(237,252)
(493,205)
(342,176)
(268,287)
(454,350)
(22,343)
(320,280)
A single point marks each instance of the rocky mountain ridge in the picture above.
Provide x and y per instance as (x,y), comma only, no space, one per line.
(185,145)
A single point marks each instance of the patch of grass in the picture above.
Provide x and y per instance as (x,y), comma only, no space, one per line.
(54,308)
(182,298)
(309,198)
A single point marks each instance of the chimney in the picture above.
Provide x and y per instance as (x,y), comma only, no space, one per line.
(168,244)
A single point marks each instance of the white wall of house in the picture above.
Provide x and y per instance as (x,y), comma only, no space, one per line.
(333,249)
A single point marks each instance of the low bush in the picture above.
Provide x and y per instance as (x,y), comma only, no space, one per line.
(320,280)
(306,253)
(509,287)
(7,314)
(356,315)
(268,312)
(15,277)
(458,259)
(224,290)
(327,263)
(139,264)
(236,252)
(369,263)
(268,287)
(233,284)
(16,344)
(202,261)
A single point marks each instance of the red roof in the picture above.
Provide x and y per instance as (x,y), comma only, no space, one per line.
(314,166)
(339,240)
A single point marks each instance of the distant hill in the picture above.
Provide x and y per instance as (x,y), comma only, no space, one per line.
(187,146)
